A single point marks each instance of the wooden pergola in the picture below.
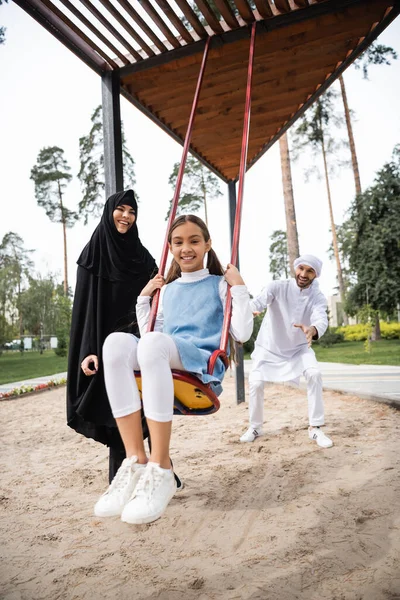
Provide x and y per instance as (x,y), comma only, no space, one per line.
(150,52)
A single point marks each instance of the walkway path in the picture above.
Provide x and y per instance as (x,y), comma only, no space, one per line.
(378,382)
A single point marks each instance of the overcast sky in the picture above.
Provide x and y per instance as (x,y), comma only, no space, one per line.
(47,97)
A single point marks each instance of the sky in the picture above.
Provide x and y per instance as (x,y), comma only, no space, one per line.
(47,98)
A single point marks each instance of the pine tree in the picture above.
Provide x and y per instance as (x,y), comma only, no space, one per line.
(290,212)
(278,258)
(51,176)
(198,186)
(376,54)
(91,172)
(314,131)
(374,254)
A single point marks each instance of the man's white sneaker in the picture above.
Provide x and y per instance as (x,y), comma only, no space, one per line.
(251,434)
(314,433)
(112,502)
(152,494)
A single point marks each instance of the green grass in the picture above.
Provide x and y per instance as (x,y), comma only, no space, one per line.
(17,366)
(384,352)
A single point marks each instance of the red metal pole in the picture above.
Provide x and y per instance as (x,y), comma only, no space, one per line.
(242,172)
(177,192)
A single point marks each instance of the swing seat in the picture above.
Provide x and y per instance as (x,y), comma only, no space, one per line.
(191,395)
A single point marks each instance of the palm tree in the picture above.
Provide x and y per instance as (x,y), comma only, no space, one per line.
(313,130)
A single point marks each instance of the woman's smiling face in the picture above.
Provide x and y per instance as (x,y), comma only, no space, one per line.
(124,217)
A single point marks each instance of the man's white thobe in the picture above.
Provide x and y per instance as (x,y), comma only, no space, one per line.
(281,352)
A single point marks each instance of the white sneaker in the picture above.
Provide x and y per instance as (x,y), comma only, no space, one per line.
(152,494)
(112,502)
(251,434)
(314,433)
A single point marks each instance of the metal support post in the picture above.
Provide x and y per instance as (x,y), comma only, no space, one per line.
(240,395)
(112,133)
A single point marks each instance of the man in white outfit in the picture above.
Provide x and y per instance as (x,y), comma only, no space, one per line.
(295,317)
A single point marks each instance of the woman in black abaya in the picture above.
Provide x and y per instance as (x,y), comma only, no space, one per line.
(113,269)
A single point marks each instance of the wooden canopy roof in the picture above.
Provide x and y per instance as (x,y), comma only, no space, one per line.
(156,46)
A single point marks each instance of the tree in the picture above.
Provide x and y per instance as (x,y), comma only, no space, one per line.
(198,185)
(2,29)
(313,130)
(278,257)
(345,234)
(45,306)
(375,251)
(376,54)
(91,172)
(15,266)
(291,224)
(51,175)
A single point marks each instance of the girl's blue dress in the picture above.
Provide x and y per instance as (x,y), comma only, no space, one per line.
(193,317)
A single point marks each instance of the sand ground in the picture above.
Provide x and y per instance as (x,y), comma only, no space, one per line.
(280,519)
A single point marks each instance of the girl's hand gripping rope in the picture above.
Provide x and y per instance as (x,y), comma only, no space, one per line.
(154,284)
(232,276)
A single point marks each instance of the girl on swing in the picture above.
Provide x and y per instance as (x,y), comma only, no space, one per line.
(187,331)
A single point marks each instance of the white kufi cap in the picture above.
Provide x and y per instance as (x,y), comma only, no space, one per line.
(311,261)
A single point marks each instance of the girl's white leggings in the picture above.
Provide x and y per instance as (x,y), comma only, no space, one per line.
(155,354)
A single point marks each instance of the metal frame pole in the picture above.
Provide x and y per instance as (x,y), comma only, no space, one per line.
(242,172)
(112,133)
(239,371)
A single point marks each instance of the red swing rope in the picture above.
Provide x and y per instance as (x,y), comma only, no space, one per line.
(238,215)
(177,192)
(221,352)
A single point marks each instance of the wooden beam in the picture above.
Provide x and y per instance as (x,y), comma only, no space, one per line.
(209,16)
(245,10)
(153,14)
(143,109)
(66,35)
(367,41)
(192,18)
(283,6)
(269,43)
(127,26)
(264,8)
(227,13)
(175,21)
(95,31)
(102,19)
(142,24)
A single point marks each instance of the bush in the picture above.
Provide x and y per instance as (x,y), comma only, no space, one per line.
(359,333)
(248,346)
(330,337)
(390,331)
(62,344)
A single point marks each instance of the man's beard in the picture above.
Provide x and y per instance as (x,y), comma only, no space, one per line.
(303,285)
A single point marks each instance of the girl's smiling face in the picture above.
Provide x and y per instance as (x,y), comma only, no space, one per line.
(124,217)
(188,247)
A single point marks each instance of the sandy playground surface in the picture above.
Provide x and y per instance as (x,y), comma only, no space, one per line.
(279,519)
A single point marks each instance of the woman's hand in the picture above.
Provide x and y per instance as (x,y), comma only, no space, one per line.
(92,358)
(232,276)
(154,284)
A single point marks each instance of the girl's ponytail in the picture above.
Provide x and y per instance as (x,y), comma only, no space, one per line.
(213,263)
(174,272)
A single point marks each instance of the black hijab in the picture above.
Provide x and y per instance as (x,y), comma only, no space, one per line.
(113,269)
(110,254)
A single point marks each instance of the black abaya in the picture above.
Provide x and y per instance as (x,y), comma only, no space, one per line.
(113,269)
